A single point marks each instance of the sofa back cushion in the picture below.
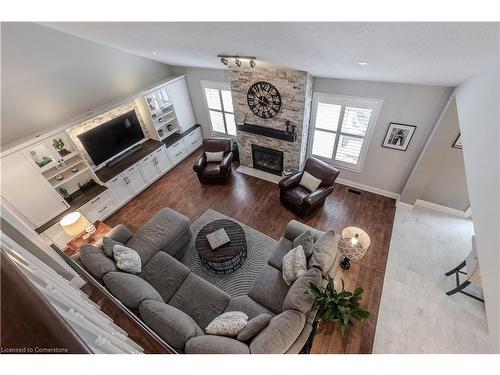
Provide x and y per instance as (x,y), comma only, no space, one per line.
(170,323)
(130,289)
(269,289)
(324,252)
(297,298)
(306,240)
(95,261)
(280,334)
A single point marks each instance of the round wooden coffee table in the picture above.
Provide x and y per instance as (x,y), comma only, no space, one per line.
(227,258)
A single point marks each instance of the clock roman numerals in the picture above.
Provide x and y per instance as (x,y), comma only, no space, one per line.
(264,99)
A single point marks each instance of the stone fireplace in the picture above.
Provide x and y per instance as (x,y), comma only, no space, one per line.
(267,159)
(295,88)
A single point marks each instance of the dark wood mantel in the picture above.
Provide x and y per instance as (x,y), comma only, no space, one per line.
(268,132)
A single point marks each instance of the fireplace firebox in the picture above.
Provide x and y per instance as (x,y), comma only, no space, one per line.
(267,159)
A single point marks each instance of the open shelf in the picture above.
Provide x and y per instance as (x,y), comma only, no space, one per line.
(67,176)
(68,166)
(53,164)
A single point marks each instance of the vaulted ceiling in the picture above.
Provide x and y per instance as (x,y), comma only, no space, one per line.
(443,54)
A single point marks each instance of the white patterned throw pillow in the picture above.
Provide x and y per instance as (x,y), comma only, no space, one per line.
(227,324)
(127,259)
(214,156)
(309,182)
(294,264)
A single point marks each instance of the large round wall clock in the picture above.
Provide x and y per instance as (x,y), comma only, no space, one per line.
(264,99)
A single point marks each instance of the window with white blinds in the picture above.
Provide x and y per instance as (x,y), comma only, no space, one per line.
(219,106)
(342,128)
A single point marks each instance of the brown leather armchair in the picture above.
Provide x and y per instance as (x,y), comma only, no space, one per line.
(299,199)
(214,173)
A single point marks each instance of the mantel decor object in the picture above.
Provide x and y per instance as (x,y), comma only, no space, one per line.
(352,245)
(58,144)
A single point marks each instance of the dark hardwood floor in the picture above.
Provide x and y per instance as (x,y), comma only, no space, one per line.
(256,203)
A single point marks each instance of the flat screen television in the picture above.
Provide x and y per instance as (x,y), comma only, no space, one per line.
(109,139)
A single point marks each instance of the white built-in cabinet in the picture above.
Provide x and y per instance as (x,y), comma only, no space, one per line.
(179,96)
(24,188)
(155,165)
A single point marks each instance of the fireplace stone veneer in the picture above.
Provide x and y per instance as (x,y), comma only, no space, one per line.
(267,159)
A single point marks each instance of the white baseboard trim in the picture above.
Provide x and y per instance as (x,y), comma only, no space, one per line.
(371,189)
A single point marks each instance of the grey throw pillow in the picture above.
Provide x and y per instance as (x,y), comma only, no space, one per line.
(107,245)
(95,261)
(130,289)
(127,259)
(306,240)
(294,265)
(227,324)
(324,252)
(254,326)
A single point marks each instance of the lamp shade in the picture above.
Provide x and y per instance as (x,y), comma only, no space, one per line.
(74,223)
(353,243)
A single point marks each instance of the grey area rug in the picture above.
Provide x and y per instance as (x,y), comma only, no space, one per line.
(239,282)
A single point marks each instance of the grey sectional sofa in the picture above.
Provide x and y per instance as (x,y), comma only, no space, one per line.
(178,305)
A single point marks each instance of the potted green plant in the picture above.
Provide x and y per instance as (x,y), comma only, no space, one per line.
(234,148)
(339,306)
(58,144)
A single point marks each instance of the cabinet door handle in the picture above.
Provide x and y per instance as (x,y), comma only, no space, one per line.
(178,153)
(131,169)
(102,209)
(156,160)
(127,181)
(95,200)
(114,179)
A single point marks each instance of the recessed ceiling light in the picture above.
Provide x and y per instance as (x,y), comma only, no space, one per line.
(154,52)
(362,63)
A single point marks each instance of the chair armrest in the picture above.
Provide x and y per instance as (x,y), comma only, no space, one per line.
(319,194)
(200,163)
(120,233)
(226,162)
(211,344)
(290,181)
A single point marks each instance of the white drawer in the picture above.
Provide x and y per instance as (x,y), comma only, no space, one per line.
(193,140)
(101,212)
(176,146)
(94,203)
(195,134)
(176,155)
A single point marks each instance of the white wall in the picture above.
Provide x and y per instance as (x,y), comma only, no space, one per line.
(478,104)
(49,77)
(194,76)
(418,105)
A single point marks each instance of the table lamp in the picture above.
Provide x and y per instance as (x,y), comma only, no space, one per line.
(75,223)
(353,244)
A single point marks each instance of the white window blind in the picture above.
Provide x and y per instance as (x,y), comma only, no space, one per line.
(219,106)
(342,128)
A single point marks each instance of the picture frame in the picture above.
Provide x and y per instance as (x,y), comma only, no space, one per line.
(458,142)
(398,136)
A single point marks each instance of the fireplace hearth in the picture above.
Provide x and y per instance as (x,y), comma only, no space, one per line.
(267,159)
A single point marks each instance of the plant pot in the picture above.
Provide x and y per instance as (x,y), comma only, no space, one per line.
(63,152)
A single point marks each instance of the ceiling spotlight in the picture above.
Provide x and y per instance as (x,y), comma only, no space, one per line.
(252,63)
(154,52)
(223,60)
(362,63)
(237,61)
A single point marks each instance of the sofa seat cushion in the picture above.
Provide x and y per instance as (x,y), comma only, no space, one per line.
(297,298)
(212,169)
(158,233)
(171,324)
(282,248)
(248,306)
(130,289)
(324,252)
(215,345)
(96,262)
(281,333)
(165,273)
(269,289)
(254,326)
(297,194)
(200,300)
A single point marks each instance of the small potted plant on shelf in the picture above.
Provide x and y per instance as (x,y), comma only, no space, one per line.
(338,306)
(58,144)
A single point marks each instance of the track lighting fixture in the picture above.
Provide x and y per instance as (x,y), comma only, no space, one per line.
(224,59)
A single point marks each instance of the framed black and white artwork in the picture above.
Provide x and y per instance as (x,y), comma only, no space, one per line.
(398,136)
(458,142)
